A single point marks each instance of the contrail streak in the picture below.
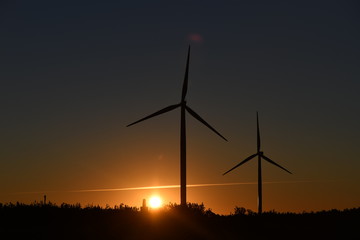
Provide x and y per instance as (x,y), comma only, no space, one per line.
(178,186)
(161,187)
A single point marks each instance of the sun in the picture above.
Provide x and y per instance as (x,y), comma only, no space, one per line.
(155,202)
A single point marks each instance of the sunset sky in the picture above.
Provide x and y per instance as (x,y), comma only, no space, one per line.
(73,74)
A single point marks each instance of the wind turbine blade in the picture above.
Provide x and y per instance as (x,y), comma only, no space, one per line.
(241,163)
(258,132)
(185,84)
(164,110)
(271,161)
(195,115)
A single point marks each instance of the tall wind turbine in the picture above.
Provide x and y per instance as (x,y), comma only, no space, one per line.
(183,107)
(260,156)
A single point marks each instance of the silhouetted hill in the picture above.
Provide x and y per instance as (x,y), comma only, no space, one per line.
(39,221)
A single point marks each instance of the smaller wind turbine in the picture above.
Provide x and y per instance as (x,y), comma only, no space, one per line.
(260,156)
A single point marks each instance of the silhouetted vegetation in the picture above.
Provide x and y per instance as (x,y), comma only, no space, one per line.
(72,221)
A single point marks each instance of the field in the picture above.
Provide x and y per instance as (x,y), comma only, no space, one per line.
(49,221)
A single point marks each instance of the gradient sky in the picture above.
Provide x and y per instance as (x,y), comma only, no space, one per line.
(75,73)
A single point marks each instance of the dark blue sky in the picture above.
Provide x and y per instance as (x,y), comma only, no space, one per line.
(74,73)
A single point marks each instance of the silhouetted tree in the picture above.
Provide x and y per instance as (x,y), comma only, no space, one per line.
(239,210)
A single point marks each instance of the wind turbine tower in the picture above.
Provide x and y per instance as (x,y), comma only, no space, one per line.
(260,156)
(183,108)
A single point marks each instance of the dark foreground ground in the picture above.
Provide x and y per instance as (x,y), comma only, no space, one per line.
(38,221)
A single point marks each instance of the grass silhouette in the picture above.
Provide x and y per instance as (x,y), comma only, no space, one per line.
(195,221)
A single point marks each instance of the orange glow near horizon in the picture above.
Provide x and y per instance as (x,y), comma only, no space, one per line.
(282,196)
(213,195)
